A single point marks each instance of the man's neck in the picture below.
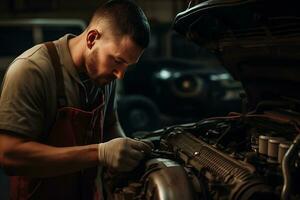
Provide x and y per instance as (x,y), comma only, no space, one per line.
(76,48)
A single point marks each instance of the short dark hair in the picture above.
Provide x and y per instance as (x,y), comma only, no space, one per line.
(128,18)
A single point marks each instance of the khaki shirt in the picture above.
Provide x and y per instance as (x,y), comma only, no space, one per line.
(28,95)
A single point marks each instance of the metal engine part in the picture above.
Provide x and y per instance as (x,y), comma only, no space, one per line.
(163,179)
(217,159)
(243,183)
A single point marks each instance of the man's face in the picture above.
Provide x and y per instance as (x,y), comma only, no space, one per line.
(109,57)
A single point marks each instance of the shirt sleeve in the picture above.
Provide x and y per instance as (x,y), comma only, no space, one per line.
(22,107)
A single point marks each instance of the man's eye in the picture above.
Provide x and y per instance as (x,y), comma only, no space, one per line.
(118,62)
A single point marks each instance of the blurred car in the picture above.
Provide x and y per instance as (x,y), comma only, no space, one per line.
(175,91)
(18,35)
(252,155)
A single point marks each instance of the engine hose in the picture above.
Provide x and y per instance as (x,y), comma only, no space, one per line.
(286,164)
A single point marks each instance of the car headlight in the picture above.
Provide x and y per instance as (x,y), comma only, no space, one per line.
(188,86)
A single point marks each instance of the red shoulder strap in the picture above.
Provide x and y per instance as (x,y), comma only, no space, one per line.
(60,87)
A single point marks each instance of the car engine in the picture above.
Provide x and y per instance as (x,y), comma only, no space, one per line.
(251,156)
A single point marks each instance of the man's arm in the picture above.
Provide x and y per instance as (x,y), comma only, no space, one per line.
(23,157)
(20,156)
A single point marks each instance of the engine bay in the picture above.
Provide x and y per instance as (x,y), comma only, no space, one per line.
(239,156)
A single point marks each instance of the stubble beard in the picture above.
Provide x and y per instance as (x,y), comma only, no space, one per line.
(93,71)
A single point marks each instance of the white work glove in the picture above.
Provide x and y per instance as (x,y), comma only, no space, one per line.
(122,154)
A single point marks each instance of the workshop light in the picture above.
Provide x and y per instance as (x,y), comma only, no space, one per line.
(165,74)
(219,77)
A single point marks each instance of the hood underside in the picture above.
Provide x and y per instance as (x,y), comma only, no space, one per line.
(258,41)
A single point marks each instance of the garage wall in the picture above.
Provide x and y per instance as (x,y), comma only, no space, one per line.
(162,10)
(157,10)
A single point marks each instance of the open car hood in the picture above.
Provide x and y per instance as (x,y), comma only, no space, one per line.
(258,41)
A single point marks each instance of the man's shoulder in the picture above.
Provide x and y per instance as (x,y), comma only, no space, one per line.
(34,59)
(33,51)
(37,55)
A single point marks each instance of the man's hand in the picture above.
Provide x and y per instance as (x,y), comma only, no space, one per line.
(122,154)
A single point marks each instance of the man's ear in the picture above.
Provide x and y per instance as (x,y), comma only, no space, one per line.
(91,38)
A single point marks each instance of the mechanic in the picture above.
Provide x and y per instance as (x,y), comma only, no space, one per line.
(58,119)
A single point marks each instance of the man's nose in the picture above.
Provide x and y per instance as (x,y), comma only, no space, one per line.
(119,73)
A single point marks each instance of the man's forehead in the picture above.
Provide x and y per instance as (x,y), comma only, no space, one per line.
(128,50)
(129,58)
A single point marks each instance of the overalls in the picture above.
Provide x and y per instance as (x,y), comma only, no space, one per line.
(73,127)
